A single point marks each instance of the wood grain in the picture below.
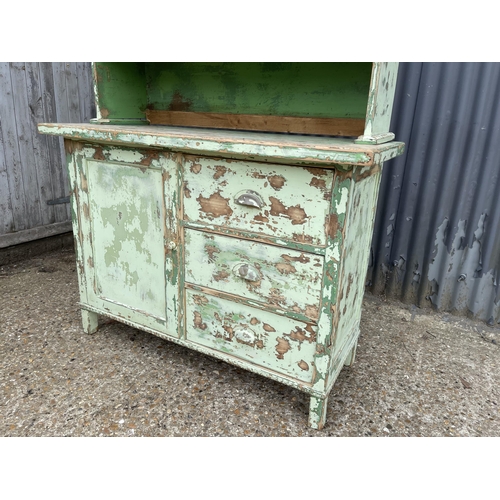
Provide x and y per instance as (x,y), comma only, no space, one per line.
(348,127)
(32,166)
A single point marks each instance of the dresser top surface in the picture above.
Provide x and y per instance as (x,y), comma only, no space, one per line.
(263,146)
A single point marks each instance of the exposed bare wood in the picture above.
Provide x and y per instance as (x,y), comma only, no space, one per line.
(349,127)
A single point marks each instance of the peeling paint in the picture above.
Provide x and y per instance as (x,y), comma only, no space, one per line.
(282,347)
(276,285)
(303,365)
(195,168)
(456,274)
(220,170)
(276,181)
(246,332)
(296,214)
(282,212)
(281,277)
(277,147)
(215,205)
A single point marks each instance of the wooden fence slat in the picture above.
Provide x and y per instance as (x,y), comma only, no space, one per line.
(42,164)
(70,72)
(83,97)
(24,137)
(6,217)
(11,149)
(60,106)
(53,144)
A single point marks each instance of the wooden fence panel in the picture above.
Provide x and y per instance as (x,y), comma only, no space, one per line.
(32,167)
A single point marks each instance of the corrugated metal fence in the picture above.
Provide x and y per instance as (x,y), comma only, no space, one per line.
(437,232)
(33,175)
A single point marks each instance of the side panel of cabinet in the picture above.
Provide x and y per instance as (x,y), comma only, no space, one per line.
(122,221)
(354,258)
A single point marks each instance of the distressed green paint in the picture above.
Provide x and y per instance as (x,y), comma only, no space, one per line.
(126,222)
(296,201)
(317,412)
(123,90)
(286,278)
(74,167)
(176,191)
(363,90)
(120,90)
(380,101)
(174,258)
(273,341)
(124,236)
(356,247)
(247,235)
(252,303)
(276,148)
(307,352)
(324,354)
(325,89)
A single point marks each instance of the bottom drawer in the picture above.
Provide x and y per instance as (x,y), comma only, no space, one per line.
(274,342)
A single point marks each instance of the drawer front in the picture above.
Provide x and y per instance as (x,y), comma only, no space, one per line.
(262,338)
(275,200)
(285,278)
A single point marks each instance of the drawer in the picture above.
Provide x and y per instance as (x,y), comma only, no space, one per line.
(285,278)
(275,200)
(260,337)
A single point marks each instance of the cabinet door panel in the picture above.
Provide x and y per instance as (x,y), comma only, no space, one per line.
(124,220)
(127,236)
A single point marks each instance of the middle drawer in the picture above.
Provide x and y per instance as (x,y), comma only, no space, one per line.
(288,279)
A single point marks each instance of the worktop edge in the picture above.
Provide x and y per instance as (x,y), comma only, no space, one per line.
(295,148)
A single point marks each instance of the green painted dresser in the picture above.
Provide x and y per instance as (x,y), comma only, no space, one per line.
(229,207)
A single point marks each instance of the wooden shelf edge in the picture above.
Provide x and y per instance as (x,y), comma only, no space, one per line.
(347,127)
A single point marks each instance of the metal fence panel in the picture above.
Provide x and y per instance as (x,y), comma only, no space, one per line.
(437,232)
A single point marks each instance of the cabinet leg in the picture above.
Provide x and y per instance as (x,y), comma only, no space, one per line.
(89,321)
(317,412)
(352,355)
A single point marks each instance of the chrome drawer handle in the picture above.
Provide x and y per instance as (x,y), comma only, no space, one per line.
(247,272)
(250,199)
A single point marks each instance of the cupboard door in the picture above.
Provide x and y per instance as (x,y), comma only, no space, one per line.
(122,217)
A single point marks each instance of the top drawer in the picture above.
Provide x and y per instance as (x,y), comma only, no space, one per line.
(274,200)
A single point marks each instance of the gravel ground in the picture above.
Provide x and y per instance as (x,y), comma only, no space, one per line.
(417,373)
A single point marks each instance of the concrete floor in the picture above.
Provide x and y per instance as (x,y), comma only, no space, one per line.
(417,373)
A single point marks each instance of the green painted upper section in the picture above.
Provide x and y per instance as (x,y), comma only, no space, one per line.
(326,90)
(121,90)
(283,89)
